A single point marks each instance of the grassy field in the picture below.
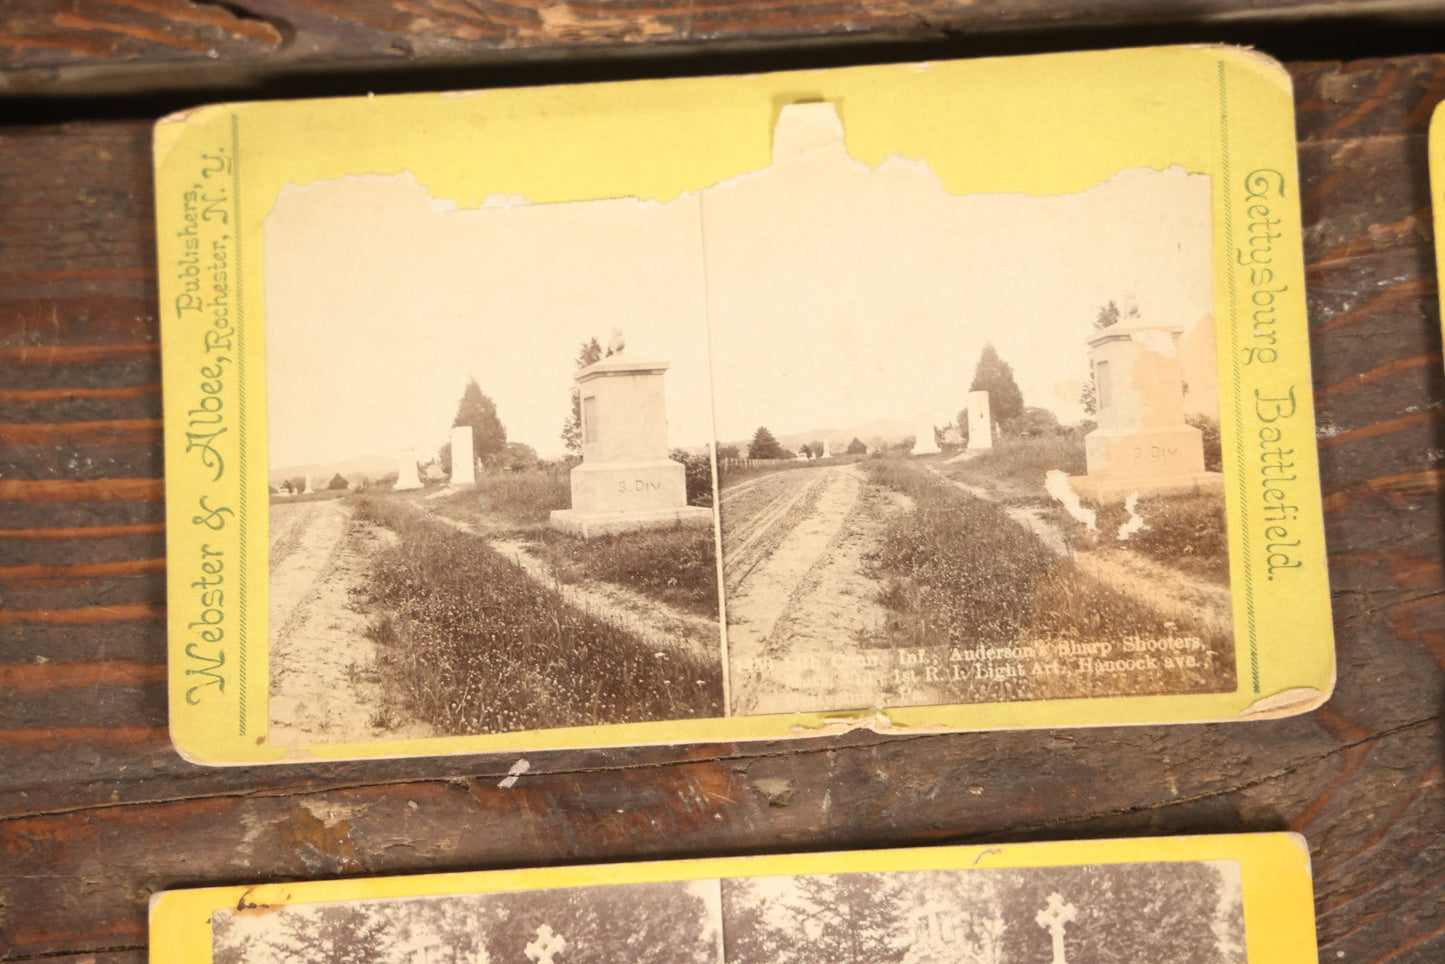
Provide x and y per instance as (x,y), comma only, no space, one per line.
(1022,461)
(675,566)
(470,644)
(320,495)
(524,498)
(1183,531)
(956,568)
(1187,532)
(957,571)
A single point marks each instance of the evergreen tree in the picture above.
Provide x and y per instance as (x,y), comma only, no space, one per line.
(489,436)
(764,446)
(1089,395)
(589,353)
(995,376)
(856,447)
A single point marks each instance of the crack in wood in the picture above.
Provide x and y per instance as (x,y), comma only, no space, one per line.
(1237,788)
(538,772)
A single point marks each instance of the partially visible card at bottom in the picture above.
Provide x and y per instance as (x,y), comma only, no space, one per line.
(1226,899)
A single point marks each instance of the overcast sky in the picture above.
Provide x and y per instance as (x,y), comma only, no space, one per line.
(834,293)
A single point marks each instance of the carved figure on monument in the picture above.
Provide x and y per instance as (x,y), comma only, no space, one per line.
(980,424)
(616,343)
(406,475)
(464,463)
(626,481)
(1142,442)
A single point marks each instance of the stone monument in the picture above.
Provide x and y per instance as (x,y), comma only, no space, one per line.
(305,485)
(406,477)
(626,481)
(1142,443)
(924,441)
(464,464)
(827,449)
(980,422)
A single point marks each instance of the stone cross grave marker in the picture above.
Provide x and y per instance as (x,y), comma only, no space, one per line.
(547,945)
(1053,918)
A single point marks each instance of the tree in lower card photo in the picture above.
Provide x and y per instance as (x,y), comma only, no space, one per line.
(648,923)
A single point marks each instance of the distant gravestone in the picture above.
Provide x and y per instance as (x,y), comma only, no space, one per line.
(464,464)
(406,477)
(626,482)
(924,442)
(1142,443)
(980,422)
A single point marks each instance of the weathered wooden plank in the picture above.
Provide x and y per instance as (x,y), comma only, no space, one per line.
(110,45)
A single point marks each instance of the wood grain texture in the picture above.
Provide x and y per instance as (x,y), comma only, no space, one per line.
(98,45)
(97,812)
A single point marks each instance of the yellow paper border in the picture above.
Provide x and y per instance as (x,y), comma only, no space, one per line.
(1040,125)
(1279,921)
(1437,197)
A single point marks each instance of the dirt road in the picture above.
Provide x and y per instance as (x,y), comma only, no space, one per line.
(322,686)
(800,608)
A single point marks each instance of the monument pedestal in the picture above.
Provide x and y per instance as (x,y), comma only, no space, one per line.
(590,524)
(617,497)
(1159,461)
